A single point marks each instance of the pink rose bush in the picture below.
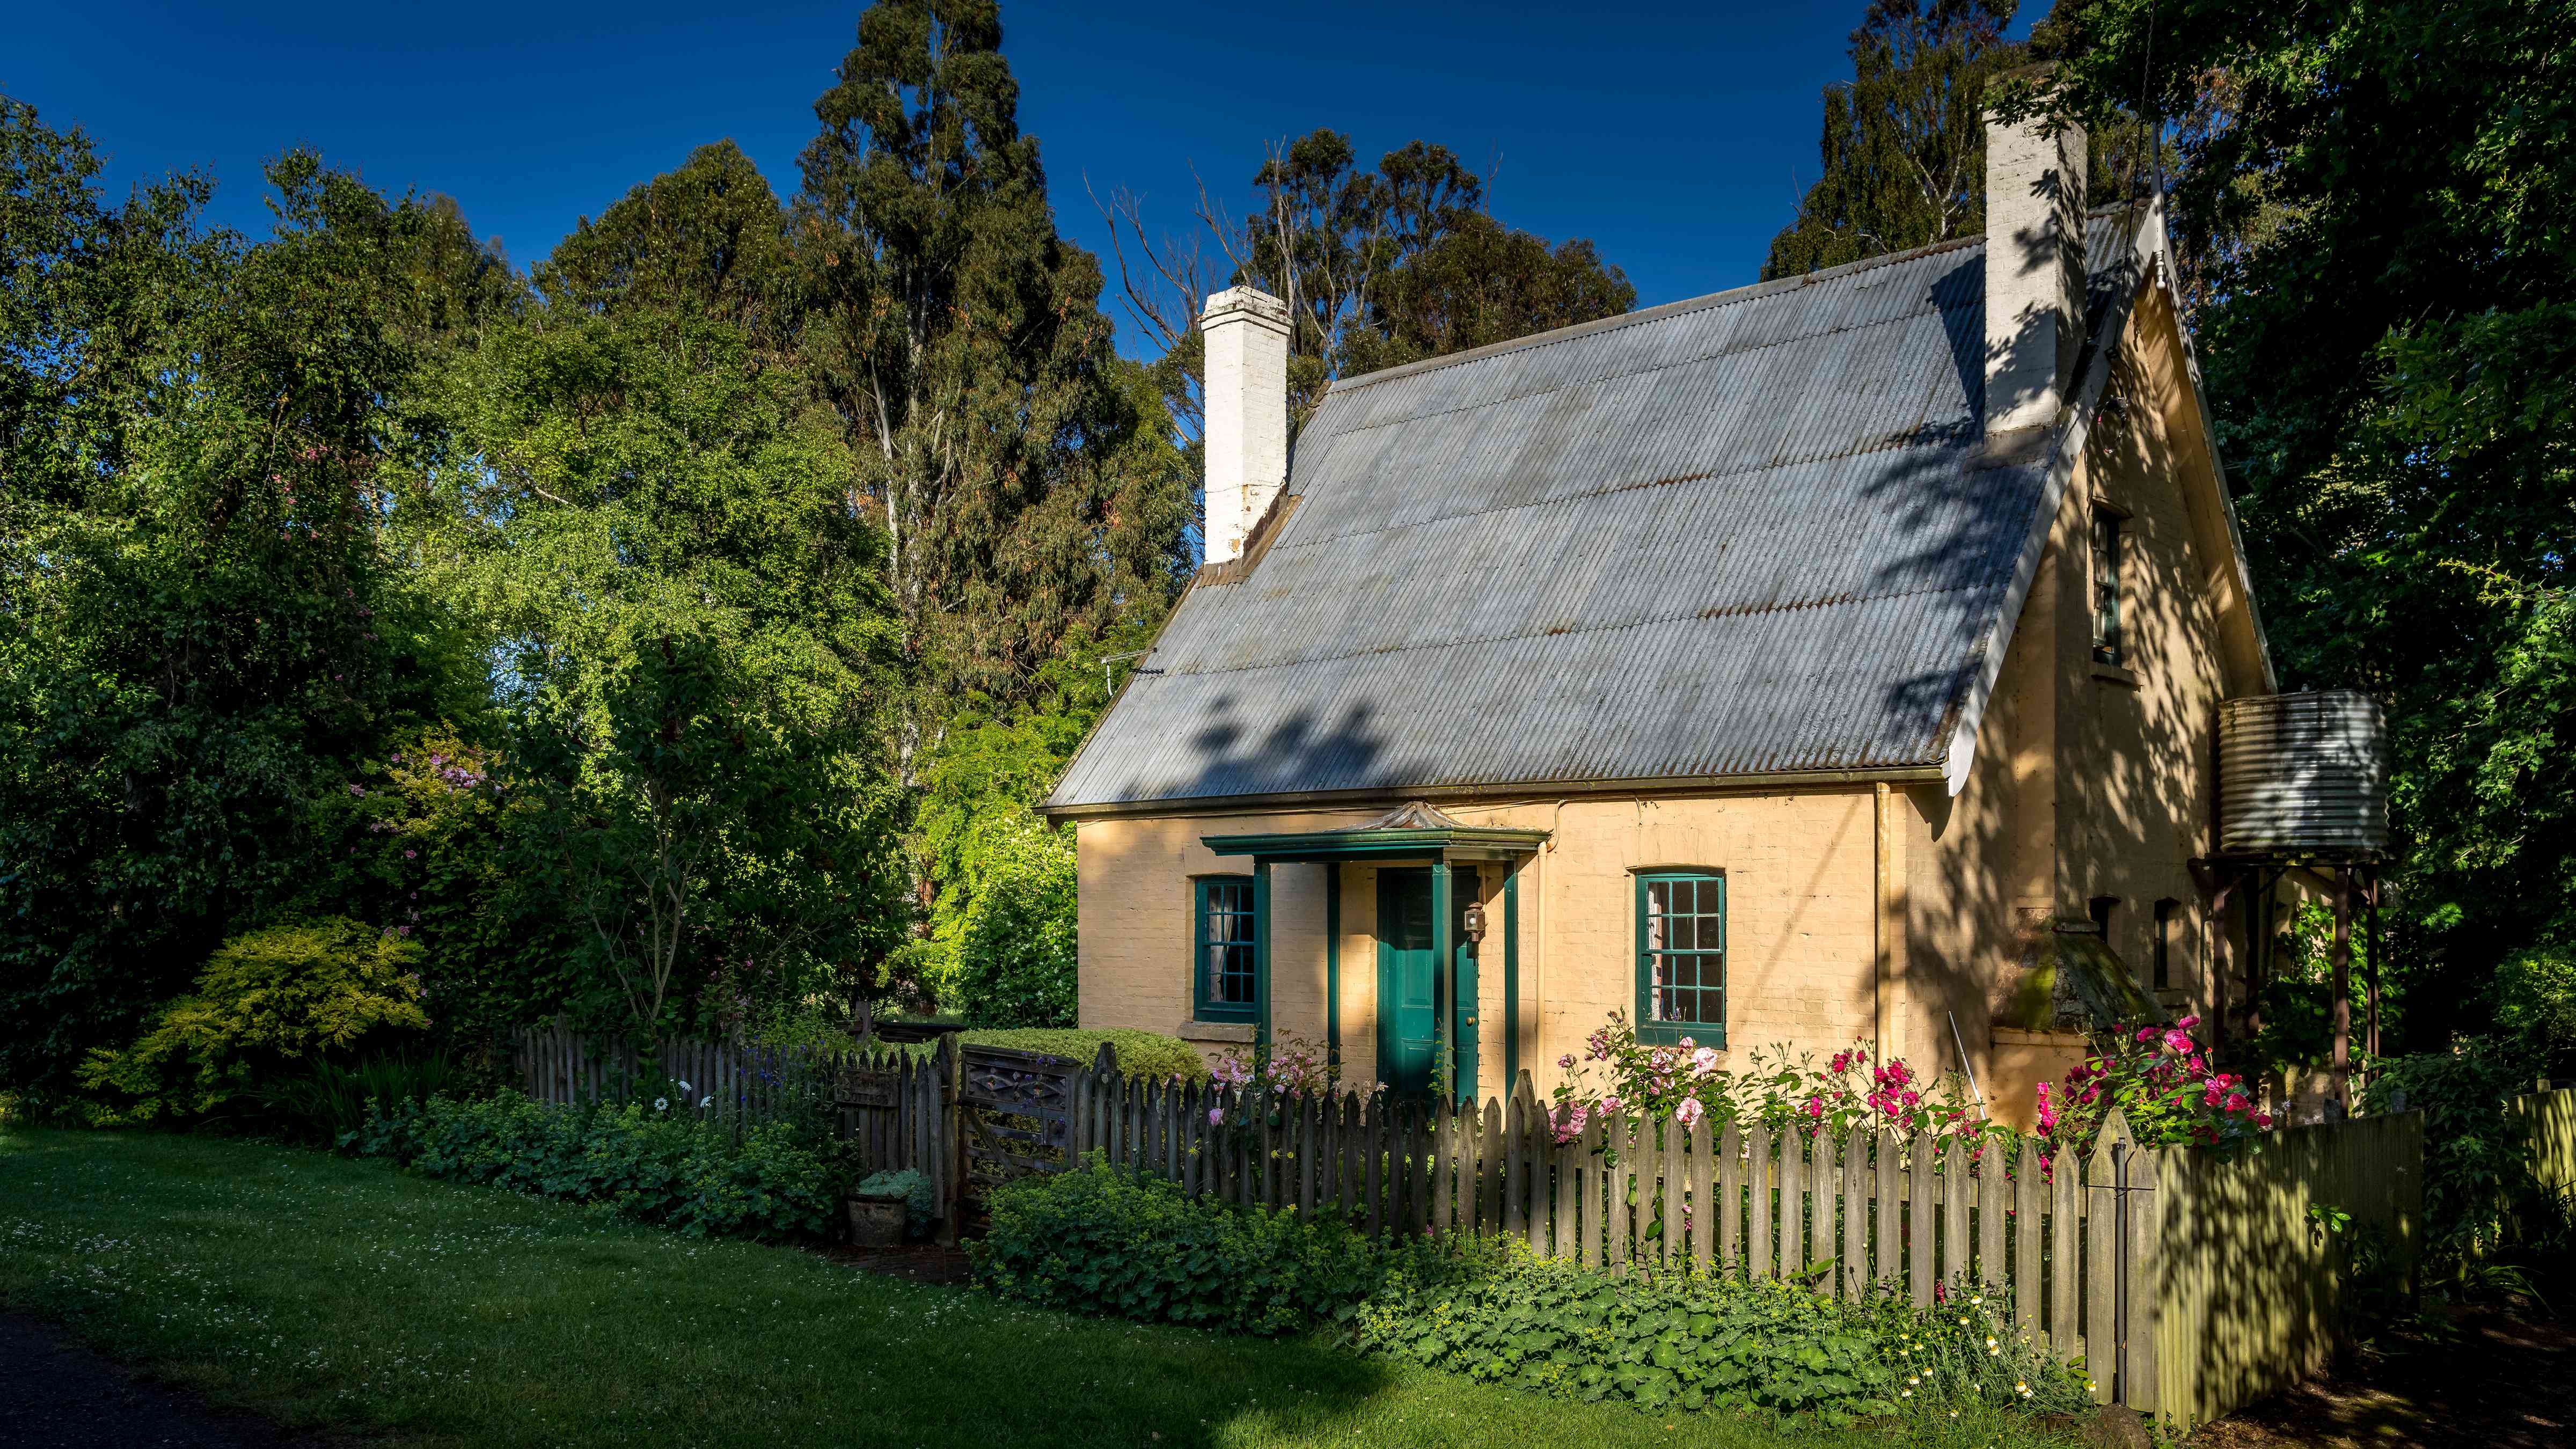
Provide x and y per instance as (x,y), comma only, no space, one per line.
(1687,1082)
(2164,1084)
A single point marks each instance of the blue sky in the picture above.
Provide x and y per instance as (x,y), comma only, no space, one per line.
(1675,136)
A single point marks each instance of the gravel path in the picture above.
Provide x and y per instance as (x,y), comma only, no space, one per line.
(55,1394)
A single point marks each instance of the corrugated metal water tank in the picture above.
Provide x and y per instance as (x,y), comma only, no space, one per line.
(2303,774)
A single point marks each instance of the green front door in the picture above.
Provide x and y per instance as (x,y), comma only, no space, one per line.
(1412,992)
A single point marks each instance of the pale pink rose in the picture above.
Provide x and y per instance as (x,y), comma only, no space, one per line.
(1689,1112)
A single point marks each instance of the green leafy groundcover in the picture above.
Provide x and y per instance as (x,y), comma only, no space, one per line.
(659,1165)
(1111,1240)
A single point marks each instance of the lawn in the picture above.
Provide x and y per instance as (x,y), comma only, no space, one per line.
(342,1295)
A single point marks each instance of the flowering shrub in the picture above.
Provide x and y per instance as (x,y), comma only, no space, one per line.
(1686,1083)
(1290,1069)
(2162,1081)
(655,1163)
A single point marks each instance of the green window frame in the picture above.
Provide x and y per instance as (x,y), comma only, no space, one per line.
(2110,547)
(1681,957)
(1225,983)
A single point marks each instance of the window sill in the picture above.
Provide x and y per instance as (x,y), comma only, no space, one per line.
(1235,1032)
(2116,674)
(1658,1034)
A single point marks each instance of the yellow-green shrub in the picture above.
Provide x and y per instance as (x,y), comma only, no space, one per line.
(276,995)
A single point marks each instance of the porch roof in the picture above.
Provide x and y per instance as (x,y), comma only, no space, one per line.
(1412,830)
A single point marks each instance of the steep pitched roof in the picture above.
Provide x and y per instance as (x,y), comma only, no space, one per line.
(1754,533)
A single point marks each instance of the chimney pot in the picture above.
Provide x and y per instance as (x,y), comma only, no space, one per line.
(1246,335)
(2034,270)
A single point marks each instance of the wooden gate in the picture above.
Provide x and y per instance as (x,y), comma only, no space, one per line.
(1015,1116)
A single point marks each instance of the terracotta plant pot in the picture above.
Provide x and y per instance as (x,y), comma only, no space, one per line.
(875,1222)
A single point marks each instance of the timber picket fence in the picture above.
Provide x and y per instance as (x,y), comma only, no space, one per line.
(2187,1284)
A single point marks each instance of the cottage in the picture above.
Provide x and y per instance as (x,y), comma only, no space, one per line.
(1830,660)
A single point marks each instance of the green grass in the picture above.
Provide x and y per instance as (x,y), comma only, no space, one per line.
(341,1295)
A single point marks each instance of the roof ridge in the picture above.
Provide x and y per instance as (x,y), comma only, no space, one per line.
(1656,313)
(1727,298)
(1737,611)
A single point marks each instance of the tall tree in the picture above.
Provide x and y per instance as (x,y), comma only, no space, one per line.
(1904,146)
(1378,268)
(709,238)
(2381,200)
(649,518)
(198,624)
(961,341)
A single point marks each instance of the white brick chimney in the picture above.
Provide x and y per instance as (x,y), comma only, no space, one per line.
(2034,271)
(1246,332)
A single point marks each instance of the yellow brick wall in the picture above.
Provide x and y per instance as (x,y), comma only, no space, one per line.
(1800,929)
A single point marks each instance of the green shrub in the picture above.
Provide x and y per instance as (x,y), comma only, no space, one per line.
(1499,1313)
(1111,1240)
(273,997)
(1146,1055)
(653,1164)
(329,1103)
(1016,963)
(2535,1001)
(920,1195)
(2477,1156)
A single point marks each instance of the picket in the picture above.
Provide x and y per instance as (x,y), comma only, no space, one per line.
(1703,1219)
(1757,1171)
(2101,1255)
(1993,1209)
(1958,1202)
(2028,1209)
(1793,1203)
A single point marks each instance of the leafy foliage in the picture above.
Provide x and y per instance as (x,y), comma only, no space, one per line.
(201,626)
(327,1101)
(1104,1239)
(2477,1156)
(696,641)
(920,1195)
(281,994)
(959,339)
(1662,1340)
(658,1165)
(1017,965)
(1687,1083)
(1142,1055)
(2377,199)
(1904,146)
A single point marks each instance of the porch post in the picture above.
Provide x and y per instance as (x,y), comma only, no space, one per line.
(1261,945)
(1444,956)
(1333,963)
(1512,977)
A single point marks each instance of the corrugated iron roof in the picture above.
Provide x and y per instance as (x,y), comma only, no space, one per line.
(1745,534)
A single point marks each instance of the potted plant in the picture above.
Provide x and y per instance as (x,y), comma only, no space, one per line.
(884,1206)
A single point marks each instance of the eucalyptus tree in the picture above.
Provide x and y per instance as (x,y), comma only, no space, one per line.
(959,338)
